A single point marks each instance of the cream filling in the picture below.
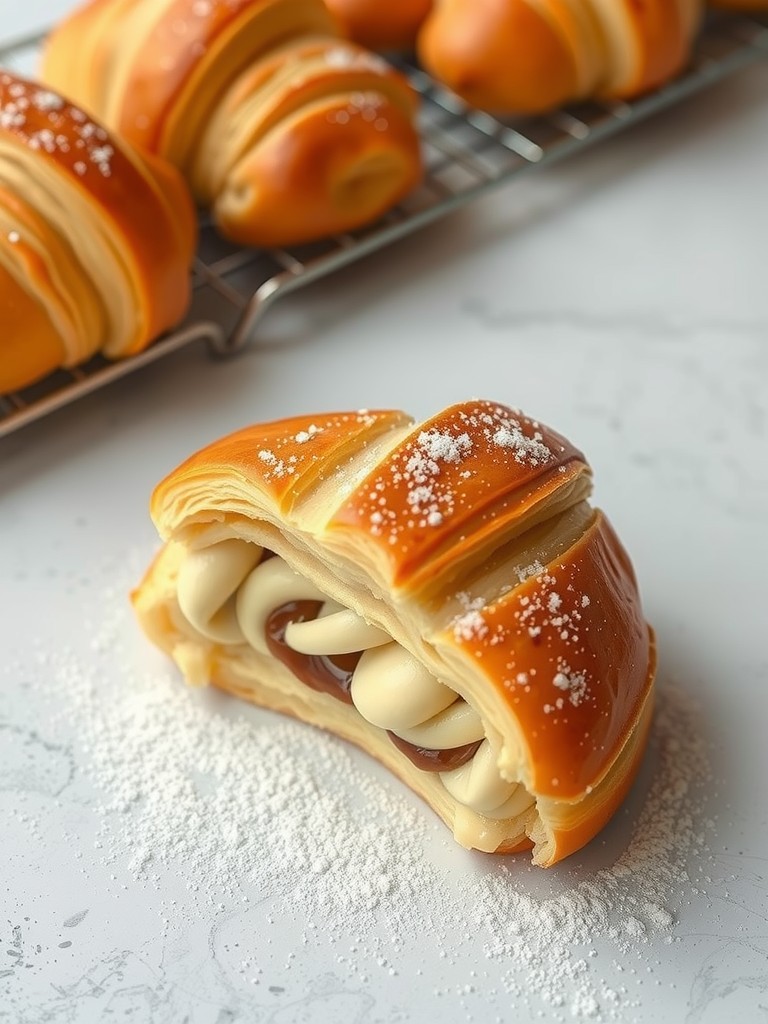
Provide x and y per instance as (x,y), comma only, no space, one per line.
(227,594)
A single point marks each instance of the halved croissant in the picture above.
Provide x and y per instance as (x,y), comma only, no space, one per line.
(441,594)
(528,56)
(96,240)
(289,132)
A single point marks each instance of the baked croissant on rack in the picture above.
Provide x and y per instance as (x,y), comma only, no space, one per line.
(440,594)
(96,241)
(289,132)
(517,57)
(525,57)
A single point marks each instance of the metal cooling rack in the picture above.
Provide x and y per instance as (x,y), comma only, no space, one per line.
(466,153)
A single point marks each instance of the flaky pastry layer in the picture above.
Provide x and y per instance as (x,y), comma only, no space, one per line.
(96,240)
(527,56)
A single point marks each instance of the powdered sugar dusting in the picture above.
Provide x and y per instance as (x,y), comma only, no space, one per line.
(429,497)
(289,454)
(549,613)
(243,809)
(526,449)
(470,626)
(504,428)
(544,608)
(364,105)
(570,682)
(306,435)
(625,906)
(441,445)
(524,572)
(45,100)
(353,58)
(278,467)
(244,806)
(464,462)
(67,129)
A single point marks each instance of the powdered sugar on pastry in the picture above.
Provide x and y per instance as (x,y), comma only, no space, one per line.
(438,477)
(69,129)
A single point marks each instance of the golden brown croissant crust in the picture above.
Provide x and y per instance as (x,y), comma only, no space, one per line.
(287,130)
(519,56)
(527,56)
(494,614)
(96,240)
(381,26)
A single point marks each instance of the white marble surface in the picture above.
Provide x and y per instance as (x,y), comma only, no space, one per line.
(621,298)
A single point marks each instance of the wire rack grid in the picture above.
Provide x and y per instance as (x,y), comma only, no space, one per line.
(466,153)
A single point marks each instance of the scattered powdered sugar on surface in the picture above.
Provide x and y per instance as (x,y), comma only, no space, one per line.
(243,807)
(630,902)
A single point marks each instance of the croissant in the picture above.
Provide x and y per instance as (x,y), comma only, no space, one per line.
(440,594)
(529,56)
(390,26)
(287,131)
(96,241)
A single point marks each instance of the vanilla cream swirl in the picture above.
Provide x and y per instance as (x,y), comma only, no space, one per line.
(227,593)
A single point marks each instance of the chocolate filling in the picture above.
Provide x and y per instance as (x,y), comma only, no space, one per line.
(332,674)
(326,673)
(435,760)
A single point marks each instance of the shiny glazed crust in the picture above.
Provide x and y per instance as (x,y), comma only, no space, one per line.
(528,56)
(468,539)
(288,131)
(95,240)
(381,26)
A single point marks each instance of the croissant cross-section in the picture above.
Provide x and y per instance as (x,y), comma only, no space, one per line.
(442,595)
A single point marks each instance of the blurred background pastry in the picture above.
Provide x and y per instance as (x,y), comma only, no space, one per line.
(96,239)
(286,130)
